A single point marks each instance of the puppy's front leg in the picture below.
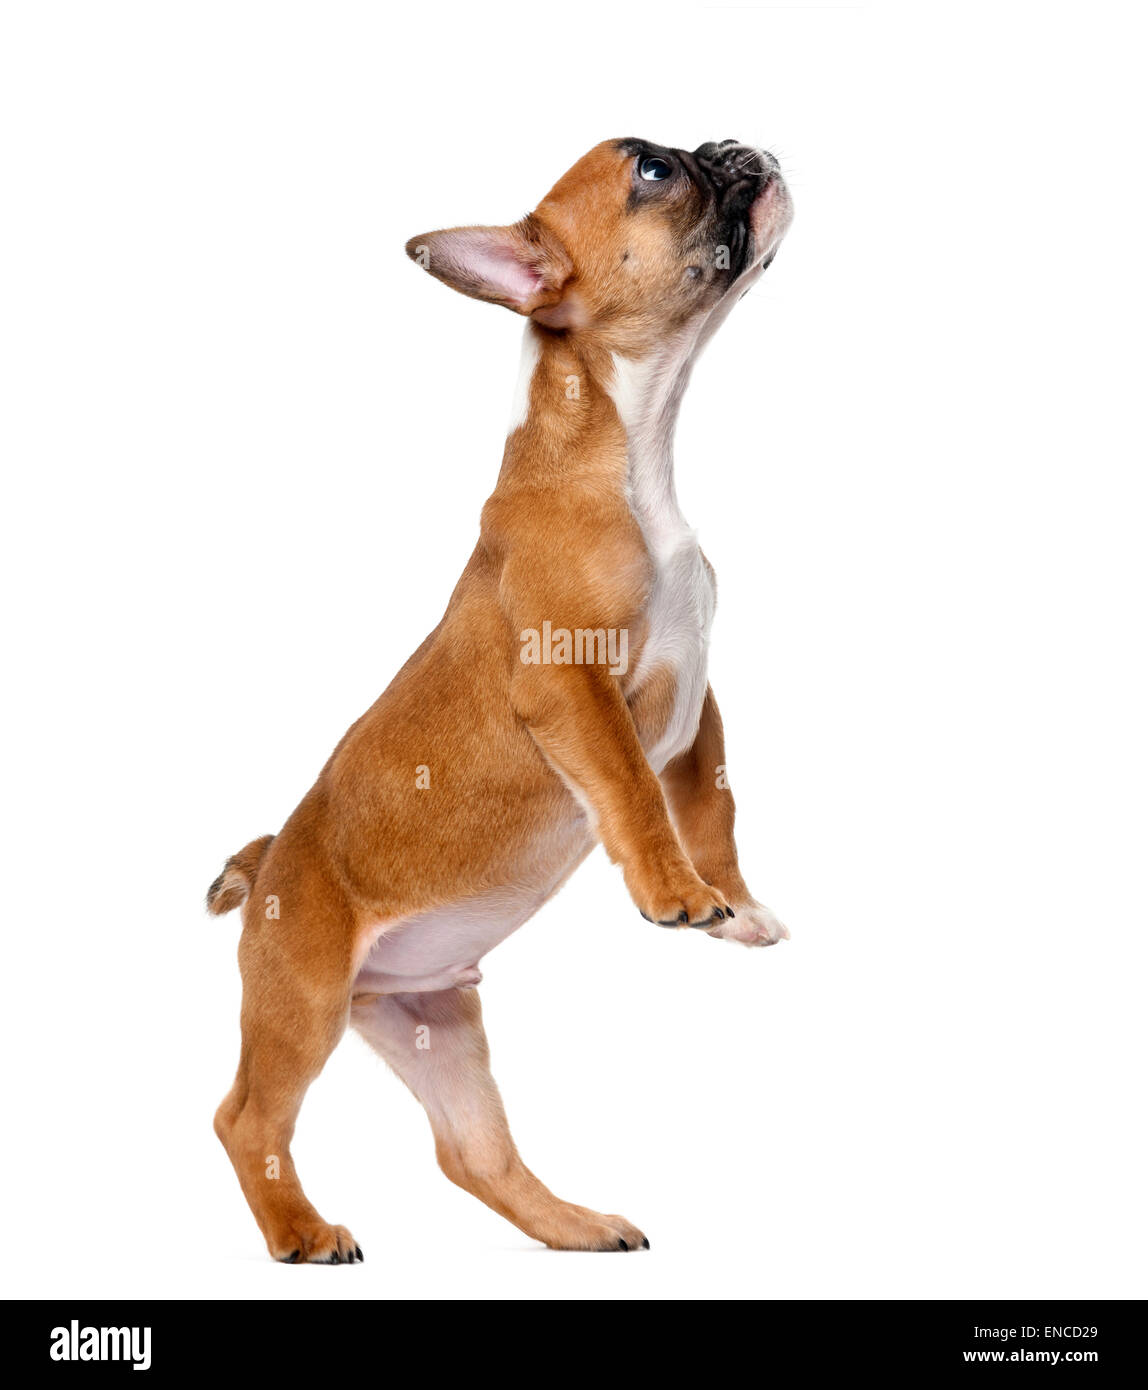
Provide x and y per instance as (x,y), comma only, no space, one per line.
(581,722)
(703,810)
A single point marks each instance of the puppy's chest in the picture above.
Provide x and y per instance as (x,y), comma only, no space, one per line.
(669,678)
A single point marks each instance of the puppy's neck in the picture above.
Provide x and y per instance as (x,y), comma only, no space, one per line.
(562,408)
(647,394)
(586,409)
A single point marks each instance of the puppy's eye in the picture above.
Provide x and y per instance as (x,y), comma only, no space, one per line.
(654,168)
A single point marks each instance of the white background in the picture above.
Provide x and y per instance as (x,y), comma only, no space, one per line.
(245,446)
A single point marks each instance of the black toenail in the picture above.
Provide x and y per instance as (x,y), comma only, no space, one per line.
(645,1243)
(290,1259)
(683,916)
(643,916)
(719,914)
(333,1258)
(622,1244)
(359,1254)
(731,912)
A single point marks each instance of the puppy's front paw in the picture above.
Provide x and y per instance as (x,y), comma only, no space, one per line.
(677,897)
(753,924)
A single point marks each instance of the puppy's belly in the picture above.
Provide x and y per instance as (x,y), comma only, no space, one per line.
(441,949)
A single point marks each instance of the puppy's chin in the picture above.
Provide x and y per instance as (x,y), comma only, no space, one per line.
(770,214)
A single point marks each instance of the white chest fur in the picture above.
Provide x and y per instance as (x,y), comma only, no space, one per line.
(681,603)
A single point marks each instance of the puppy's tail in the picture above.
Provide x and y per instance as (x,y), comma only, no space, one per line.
(231,888)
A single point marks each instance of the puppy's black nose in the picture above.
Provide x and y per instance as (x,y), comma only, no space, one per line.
(730,162)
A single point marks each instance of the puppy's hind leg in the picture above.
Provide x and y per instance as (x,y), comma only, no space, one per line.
(296,995)
(437,1045)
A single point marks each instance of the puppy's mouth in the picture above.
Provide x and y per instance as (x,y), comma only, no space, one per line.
(752,201)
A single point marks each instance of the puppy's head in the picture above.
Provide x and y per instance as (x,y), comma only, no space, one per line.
(635,242)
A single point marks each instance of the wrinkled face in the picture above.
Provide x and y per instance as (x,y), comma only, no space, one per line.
(635,242)
(657,236)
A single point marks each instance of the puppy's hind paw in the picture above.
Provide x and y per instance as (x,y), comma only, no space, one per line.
(316,1243)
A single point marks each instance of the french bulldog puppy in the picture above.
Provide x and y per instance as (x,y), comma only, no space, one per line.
(561,701)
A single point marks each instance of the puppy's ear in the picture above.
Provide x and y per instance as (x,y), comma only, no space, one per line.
(523,267)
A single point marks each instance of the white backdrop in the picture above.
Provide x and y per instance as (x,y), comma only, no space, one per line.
(246,443)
